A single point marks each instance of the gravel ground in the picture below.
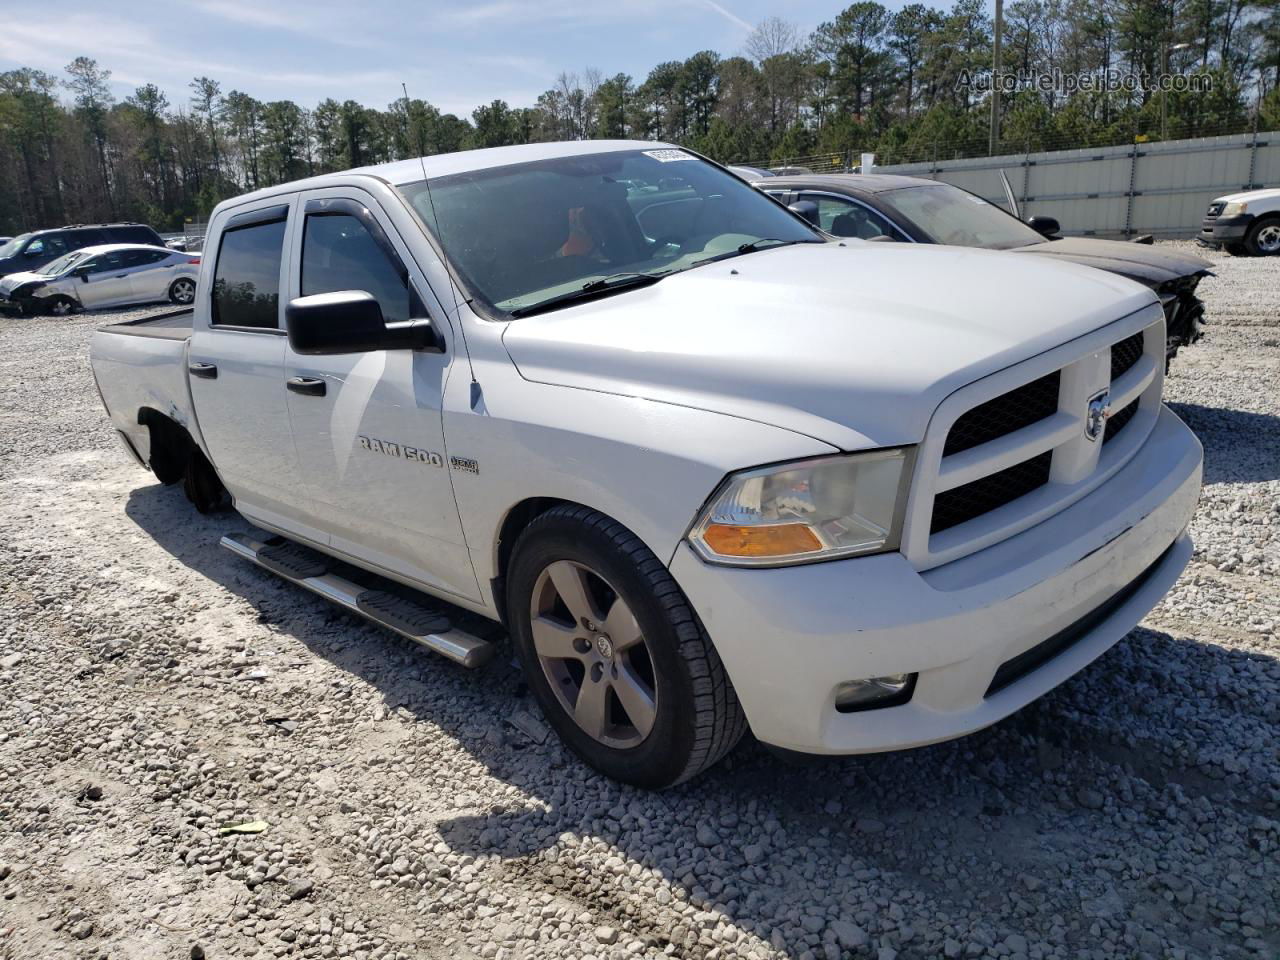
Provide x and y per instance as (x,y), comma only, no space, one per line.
(155,688)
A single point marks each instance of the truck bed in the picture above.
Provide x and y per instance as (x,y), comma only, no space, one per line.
(174,325)
(141,365)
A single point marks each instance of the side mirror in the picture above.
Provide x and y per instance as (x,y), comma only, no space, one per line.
(350,321)
(807,209)
(32,253)
(82,273)
(1045,226)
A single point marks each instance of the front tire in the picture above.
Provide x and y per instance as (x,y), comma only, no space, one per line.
(614,655)
(59,306)
(182,291)
(1263,239)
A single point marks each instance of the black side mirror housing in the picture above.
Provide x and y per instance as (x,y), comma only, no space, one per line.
(1045,226)
(82,273)
(350,321)
(807,209)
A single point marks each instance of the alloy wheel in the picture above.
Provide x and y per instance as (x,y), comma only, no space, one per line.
(184,291)
(594,654)
(61,308)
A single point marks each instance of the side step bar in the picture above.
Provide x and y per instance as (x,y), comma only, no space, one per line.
(418,621)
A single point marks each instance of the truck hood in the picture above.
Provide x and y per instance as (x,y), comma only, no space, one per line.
(1146,264)
(854,344)
(1272,194)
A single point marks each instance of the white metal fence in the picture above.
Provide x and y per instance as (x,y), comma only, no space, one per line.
(1158,188)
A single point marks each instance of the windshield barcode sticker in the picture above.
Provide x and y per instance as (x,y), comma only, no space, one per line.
(666,156)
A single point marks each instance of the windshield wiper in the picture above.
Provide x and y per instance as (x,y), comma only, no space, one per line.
(761,244)
(592,290)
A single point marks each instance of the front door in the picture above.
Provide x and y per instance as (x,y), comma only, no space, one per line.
(369,426)
(103,280)
(236,364)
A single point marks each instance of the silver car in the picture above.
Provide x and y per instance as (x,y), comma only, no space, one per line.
(111,275)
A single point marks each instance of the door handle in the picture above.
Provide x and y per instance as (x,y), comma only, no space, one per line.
(307,386)
(121,276)
(205,371)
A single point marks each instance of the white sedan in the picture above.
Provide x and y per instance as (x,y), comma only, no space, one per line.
(111,275)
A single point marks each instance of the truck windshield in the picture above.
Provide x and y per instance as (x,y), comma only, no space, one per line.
(13,246)
(948,214)
(526,234)
(61,265)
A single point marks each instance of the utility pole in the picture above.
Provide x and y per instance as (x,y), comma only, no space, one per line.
(995,79)
(1164,94)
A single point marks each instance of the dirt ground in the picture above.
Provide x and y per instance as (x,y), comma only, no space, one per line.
(156,688)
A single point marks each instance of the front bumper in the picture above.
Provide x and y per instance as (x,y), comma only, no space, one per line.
(1215,231)
(788,636)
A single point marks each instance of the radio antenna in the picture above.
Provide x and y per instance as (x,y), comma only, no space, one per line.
(444,260)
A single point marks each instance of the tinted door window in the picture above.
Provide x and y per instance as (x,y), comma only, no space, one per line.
(338,253)
(132,235)
(246,282)
(49,246)
(76,239)
(105,262)
(844,218)
(138,258)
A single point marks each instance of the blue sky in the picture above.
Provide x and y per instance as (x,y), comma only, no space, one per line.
(457,55)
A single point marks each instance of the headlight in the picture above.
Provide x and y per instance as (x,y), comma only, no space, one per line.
(1234,208)
(805,511)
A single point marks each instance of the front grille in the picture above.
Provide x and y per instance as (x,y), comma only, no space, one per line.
(1012,411)
(1024,663)
(954,507)
(1125,354)
(1117,421)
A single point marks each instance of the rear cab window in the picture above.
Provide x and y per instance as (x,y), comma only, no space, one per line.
(246,278)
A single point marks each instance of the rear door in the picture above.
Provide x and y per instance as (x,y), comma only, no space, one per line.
(148,279)
(369,425)
(236,364)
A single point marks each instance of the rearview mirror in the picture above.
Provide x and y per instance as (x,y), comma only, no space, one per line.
(807,209)
(350,321)
(1045,226)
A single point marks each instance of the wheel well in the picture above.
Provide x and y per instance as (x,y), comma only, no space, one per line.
(170,445)
(513,524)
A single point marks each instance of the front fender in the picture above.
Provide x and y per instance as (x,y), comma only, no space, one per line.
(647,464)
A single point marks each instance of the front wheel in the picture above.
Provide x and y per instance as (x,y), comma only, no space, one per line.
(182,291)
(1263,239)
(60,306)
(613,653)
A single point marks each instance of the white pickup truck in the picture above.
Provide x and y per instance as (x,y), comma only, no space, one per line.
(709,467)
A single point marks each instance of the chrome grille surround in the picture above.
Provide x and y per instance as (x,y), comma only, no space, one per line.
(1078,464)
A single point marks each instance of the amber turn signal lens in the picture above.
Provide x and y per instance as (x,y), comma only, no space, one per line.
(773,540)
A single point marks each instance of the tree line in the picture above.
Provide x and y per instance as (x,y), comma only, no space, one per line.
(907,85)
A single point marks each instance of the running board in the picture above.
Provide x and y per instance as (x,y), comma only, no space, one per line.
(418,621)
